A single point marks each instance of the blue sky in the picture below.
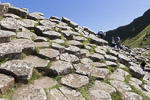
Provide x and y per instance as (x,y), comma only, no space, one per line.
(95,14)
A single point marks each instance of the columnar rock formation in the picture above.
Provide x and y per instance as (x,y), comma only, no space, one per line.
(53,59)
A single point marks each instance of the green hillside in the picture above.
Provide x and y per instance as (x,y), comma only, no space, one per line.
(141,40)
(133,34)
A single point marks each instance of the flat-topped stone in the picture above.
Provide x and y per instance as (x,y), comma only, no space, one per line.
(58,47)
(11,16)
(121,72)
(79,38)
(52,35)
(5,36)
(22,12)
(55,17)
(29,92)
(21,70)
(87,61)
(73,24)
(110,63)
(58,41)
(73,50)
(75,43)
(36,16)
(123,59)
(68,34)
(45,82)
(48,53)
(75,80)
(131,96)
(110,58)
(96,57)
(82,69)
(98,50)
(61,67)
(5,83)
(40,39)
(71,94)
(47,23)
(65,20)
(100,73)
(29,23)
(10,51)
(99,65)
(116,77)
(40,29)
(42,44)
(3,99)
(137,71)
(69,58)
(37,62)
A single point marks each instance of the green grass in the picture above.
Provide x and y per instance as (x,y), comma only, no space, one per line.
(3,61)
(111,69)
(84,91)
(102,61)
(37,50)
(58,78)
(23,55)
(116,95)
(1,17)
(37,23)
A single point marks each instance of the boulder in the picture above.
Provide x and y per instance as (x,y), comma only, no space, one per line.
(55,17)
(96,57)
(79,38)
(99,65)
(131,96)
(21,70)
(74,80)
(110,63)
(75,43)
(61,67)
(137,71)
(87,61)
(47,23)
(22,12)
(100,73)
(73,50)
(110,58)
(98,50)
(68,34)
(65,20)
(29,92)
(11,16)
(29,23)
(58,47)
(124,59)
(36,16)
(40,39)
(73,24)
(58,41)
(42,44)
(40,29)
(115,76)
(5,83)
(52,35)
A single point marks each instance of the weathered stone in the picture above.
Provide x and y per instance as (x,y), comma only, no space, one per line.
(42,44)
(147,88)
(99,65)
(28,46)
(36,62)
(84,53)
(121,86)
(45,82)
(121,65)
(71,94)
(114,53)
(11,15)
(3,9)
(137,71)
(3,99)
(24,35)
(29,92)
(73,24)
(73,50)
(10,51)
(55,17)
(48,53)
(110,58)
(52,35)
(79,38)
(121,72)
(61,67)
(21,70)
(103,86)
(47,23)
(5,82)
(36,16)
(58,47)
(40,29)
(75,43)
(65,20)
(83,69)
(55,21)
(68,34)
(40,39)
(147,78)
(96,57)
(87,61)
(58,41)
(11,24)
(131,96)
(100,51)
(115,76)
(5,36)
(55,94)
(98,95)
(69,58)
(64,28)
(124,59)
(99,72)
(29,23)
(137,81)
(75,80)
(112,64)
(18,11)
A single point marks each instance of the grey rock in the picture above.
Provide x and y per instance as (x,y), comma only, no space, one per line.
(42,44)
(84,53)
(47,23)
(87,61)
(5,82)
(121,86)
(55,21)
(71,94)
(147,78)
(36,16)
(3,99)
(58,47)
(21,70)
(68,34)
(83,69)
(55,17)
(49,53)
(55,94)
(69,58)
(79,38)
(18,11)
(75,80)
(131,96)
(52,35)
(40,29)
(89,30)
(40,39)
(75,43)
(65,20)
(115,76)
(29,23)
(61,67)
(45,82)
(58,41)
(73,24)
(100,73)
(99,65)
(11,16)
(121,72)
(114,53)
(29,92)
(10,51)
(110,58)
(110,63)
(137,81)
(73,50)
(5,36)
(37,62)
(98,50)
(137,71)
(124,59)
(28,46)
(24,35)
(96,57)
(99,95)
(63,28)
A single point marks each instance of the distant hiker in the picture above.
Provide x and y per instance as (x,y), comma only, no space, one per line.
(117,41)
(143,65)
(113,44)
(101,33)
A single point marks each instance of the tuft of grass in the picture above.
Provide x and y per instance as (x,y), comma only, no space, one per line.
(37,50)
(56,86)
(49,65)
(108,51)
(58,78)
(84,91)
(111,69)
(35,75)
(116,95)
(36,24)
(32,31)
(103,61)
(3,61)
(59,30)
(1,17)
(23,55)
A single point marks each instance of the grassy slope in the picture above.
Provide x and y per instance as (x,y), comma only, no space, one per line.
(139,41)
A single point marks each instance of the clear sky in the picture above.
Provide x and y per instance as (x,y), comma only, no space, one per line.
(95,14)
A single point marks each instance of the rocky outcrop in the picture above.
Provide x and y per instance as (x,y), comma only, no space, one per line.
(49,59)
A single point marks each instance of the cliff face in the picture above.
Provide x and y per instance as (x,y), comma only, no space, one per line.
(131,30)
(56,59)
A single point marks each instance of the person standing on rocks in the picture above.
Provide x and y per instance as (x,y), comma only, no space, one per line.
(113,44)
(117,41)
(143,65)
(101,33)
